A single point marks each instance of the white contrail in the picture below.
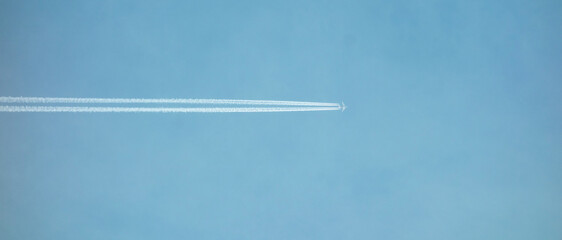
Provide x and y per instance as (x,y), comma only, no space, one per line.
(160,109)
(161,100)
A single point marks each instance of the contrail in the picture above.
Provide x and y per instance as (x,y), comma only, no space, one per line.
(41,104)
(161,100)
(161,109)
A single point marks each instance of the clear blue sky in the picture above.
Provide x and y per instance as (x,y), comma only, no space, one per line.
(453,131)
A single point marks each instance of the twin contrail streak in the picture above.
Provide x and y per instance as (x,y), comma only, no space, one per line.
(161,100)
(33,104)
(159,110)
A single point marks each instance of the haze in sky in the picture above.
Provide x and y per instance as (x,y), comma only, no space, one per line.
(453,129)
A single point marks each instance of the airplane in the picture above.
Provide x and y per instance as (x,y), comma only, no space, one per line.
(342,106)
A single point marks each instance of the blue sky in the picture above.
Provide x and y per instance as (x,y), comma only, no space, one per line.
(453,127)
